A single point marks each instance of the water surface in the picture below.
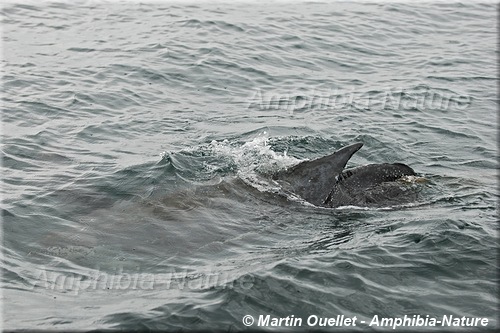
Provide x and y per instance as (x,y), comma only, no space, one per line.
(138,140)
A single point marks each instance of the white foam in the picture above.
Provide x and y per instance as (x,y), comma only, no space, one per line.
(254,160)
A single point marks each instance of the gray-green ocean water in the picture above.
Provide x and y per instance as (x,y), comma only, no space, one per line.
(138,139)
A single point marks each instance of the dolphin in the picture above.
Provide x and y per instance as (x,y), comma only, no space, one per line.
(324,182)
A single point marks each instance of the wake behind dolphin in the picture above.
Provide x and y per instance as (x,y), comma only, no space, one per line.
(324,182)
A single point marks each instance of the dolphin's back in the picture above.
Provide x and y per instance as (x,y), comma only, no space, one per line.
(371,185)
(324,182)
(313,180)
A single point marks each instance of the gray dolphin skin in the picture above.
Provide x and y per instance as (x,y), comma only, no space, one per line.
(324,182)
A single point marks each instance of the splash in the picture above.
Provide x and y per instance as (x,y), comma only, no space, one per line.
(413,179)
(254,160)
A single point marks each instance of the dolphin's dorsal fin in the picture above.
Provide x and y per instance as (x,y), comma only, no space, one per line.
(313,180)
